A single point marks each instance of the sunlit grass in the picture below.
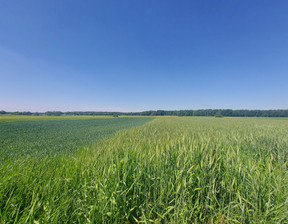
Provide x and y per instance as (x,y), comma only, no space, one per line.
(171,170)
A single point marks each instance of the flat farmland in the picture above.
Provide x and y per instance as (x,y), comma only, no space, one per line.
(41,136)
(168,170)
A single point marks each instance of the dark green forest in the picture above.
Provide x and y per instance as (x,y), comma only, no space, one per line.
(205,112)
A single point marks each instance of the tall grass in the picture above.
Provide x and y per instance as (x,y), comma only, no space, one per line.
(171,170)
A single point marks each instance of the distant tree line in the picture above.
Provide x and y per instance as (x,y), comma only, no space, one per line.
(207,112)
(223,112)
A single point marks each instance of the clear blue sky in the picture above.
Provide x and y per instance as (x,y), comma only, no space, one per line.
(140,55)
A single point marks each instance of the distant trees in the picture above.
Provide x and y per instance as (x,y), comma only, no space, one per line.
(218,114)
(207,112)
(211,112)
(21,113)
(54,113)
(160,113)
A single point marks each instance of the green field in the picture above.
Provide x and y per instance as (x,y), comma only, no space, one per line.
(169,170)
(13,118)
(42,136)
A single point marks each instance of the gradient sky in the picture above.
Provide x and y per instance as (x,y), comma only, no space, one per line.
(143,55)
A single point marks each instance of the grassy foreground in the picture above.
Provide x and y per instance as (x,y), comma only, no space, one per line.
(171,170)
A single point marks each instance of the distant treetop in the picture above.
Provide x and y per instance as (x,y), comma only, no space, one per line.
(206,112)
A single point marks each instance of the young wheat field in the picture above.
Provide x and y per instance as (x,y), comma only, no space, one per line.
(165,170)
